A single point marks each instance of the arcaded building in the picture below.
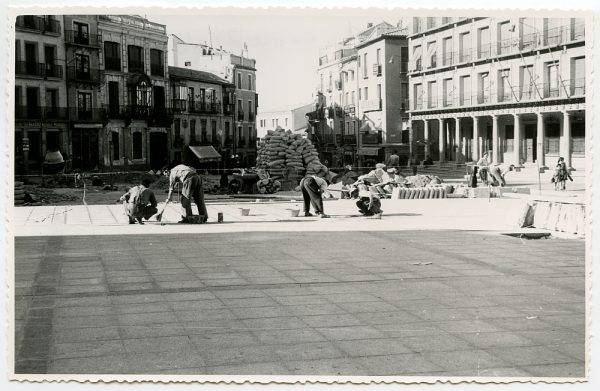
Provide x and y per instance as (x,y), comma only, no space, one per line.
(514,87)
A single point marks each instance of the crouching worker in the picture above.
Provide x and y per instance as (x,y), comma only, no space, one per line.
(139,202)
(498,172)
(368,203)
(191,188)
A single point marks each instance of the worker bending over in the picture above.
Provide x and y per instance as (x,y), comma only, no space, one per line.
(191,188)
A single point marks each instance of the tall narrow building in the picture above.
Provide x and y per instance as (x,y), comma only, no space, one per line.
(41,115)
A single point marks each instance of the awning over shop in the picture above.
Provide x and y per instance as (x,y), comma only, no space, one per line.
(206,153)
(368,151)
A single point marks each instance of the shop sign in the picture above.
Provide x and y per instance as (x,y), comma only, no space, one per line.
(25,144)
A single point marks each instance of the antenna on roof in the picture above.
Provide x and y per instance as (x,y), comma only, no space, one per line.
(210,36)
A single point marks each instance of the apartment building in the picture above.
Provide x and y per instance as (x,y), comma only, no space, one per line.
(238,69)
(362,88)
(288,119)
(135,93)
(512,86)
(41,115)
(203,116)
(83,45)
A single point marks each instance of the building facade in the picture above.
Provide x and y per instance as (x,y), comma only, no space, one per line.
(203,112)
(293,119)
(361,114)
(514,87)
(237,69)
(94,88)
(41,109)
(135,93)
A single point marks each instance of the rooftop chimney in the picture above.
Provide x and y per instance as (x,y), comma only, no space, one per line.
(369,25)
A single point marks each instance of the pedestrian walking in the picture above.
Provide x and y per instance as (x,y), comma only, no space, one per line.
(139,202)
(313,188)
(191,188)
(561,174)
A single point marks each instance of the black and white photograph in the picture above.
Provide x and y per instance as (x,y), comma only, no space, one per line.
(298,194)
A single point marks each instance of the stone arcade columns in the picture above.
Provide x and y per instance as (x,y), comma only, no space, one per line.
(458,140)
(442,140)
(495,140)
(541,132)
(475,148)
(426,136)
(517,139)
(565,145)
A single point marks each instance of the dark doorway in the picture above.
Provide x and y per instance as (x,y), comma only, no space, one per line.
(85,149)
(530,147)
(159,155)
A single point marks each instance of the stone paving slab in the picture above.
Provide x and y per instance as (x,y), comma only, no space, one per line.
(388,323)
(437,214)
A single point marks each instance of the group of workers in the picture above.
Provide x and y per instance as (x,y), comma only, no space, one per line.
(140,202)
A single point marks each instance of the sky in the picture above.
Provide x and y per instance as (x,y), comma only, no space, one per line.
(285,46)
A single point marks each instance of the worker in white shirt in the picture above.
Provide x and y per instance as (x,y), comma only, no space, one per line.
(313,188)
(483,167)
(498,172)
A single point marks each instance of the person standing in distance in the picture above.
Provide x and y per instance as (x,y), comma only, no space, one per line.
(191,188)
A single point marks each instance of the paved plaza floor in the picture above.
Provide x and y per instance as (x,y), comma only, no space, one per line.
(387,302)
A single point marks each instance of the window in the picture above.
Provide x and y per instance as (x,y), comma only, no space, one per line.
(379,91)
(578,76)
(82,66)
(359,94)
(365,66)
(135,59)
(527,81)
(552,80)
(139,95)
(447,51)
(250,82)
(158,96)
(432,94)
(157,63)
(192,131)
(448,93)
(432,54)
(504,88)
(176,131)
(239,80)
(465,47)
(509,138)
(251,135)
(366,93)
(113,98)
(116,154)
(351,75)
(465,90)
(484,47)
(137,145)
(483,88)
(504,38)
(190,95)
(353,96)
(552,142)
(417,56)
(52,140)
(418,97)
(378,57)
(347,98)
(84,105)
(250,111)
(240,137)
(112,58)
(204,131)
(81,33)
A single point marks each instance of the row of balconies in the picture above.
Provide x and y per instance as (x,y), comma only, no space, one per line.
(202,107)
(549,38)
(29,112)
(574,88)
(38,24)
(29,68)
(346,139)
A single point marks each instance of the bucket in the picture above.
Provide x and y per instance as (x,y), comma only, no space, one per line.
(294,212)
(244,211)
